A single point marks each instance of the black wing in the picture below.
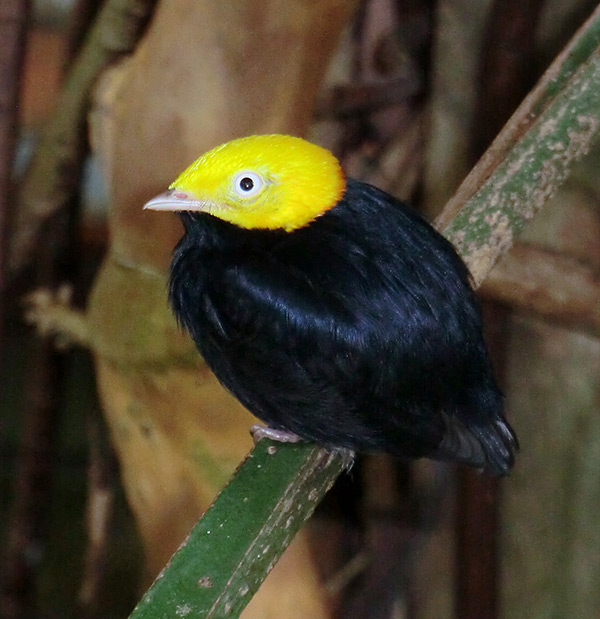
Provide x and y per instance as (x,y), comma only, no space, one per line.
(312,362)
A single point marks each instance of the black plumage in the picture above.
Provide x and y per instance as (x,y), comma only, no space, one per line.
(359,330)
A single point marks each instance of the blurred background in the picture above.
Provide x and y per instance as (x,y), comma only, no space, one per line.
(114,437)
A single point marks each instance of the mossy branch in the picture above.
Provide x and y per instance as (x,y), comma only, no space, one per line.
(277,487)
(240,538)
(554,126)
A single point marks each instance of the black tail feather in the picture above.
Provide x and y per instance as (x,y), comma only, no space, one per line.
(491,447)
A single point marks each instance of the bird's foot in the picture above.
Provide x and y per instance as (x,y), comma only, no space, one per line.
(348,457)
(259,432)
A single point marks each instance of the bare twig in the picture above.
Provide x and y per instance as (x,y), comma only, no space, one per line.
(539,162)
(477,546)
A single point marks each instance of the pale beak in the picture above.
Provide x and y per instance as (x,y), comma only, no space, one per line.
(177,200)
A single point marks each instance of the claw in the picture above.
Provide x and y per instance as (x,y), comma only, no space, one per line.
(259,432)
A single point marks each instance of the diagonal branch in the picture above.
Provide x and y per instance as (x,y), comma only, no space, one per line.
(531,157)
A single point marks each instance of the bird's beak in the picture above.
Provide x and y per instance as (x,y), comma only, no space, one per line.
(177,200)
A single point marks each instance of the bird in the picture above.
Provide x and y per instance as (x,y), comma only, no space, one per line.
(334,312)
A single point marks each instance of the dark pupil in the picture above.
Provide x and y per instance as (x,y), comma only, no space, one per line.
(246,184)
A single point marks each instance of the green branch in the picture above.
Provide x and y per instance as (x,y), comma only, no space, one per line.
(531,157)
(275,490)
(242,535)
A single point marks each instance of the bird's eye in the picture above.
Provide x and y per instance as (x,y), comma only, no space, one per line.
(247,184)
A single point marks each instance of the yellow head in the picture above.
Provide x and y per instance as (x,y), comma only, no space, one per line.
(261,181)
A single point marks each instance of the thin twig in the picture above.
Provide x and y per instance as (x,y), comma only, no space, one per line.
(81,18)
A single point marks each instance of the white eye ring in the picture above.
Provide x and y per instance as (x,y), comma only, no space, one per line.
(247,184)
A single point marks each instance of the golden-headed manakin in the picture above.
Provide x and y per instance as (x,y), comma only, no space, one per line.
(330,309)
